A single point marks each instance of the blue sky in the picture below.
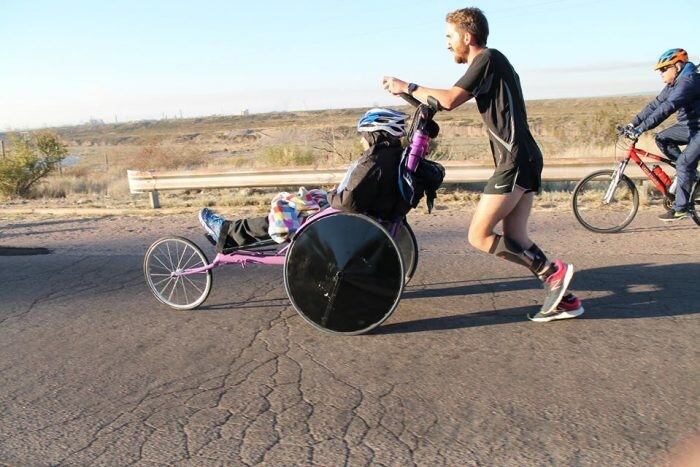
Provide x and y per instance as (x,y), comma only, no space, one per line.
(63,62)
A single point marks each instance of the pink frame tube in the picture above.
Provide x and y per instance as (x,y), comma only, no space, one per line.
(242,258)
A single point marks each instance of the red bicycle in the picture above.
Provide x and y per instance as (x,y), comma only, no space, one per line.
(606,201)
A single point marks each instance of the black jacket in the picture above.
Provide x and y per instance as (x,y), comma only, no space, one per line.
(371,185)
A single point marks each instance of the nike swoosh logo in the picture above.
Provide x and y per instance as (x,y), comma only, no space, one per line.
(500,186)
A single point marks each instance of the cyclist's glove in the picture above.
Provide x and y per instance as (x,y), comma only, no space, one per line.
(631,132)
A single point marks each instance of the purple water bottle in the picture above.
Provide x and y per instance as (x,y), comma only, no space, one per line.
(419,146)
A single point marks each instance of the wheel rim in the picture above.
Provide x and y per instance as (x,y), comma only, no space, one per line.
(667,203)
(165,259)
(408,247)
(695,203)
(344,274)
(596,215)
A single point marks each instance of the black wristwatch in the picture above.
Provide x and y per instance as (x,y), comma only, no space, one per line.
(412,88)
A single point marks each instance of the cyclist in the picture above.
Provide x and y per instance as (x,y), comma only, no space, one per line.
(509,193)
(681,95)
(370,186)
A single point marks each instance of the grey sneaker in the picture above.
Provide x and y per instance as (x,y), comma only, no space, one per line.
(673,216)
(555,286)
(211,222)
(569,307)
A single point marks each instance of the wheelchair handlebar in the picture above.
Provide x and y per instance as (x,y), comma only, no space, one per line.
(433,103)
(410,99)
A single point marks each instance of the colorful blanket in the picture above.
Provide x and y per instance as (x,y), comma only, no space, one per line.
(289,210)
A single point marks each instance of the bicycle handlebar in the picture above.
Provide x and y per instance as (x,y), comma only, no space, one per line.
(621,130)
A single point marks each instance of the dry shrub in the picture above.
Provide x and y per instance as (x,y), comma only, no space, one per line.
(286,156)
(119,187)
(155,156)
(61,186)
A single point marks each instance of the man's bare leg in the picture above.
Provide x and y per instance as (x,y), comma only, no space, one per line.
(513,209)
(515,223)
(491,210)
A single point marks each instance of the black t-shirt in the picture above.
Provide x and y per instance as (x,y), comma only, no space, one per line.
(495,85)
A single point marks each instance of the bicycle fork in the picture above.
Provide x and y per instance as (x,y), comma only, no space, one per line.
(617,174)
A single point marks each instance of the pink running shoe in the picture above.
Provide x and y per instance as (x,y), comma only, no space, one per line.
(555,287)
(569,307)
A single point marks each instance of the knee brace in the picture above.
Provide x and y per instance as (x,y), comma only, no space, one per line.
(532,258)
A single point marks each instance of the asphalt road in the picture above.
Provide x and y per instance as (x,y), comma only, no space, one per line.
(94,371)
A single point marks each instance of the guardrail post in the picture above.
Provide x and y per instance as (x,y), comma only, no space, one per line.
(155,202)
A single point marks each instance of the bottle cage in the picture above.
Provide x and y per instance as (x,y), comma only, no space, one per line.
(422,122)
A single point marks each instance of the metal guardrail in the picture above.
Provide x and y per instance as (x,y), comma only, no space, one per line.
(455,172)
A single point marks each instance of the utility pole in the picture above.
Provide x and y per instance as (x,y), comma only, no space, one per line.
(2,148)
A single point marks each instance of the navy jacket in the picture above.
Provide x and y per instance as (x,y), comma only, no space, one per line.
(683,97)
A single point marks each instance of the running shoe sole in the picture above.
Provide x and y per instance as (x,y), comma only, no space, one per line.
(563,315)
(675,219)
(564,288)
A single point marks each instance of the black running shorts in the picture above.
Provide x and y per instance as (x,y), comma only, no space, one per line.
(527,176)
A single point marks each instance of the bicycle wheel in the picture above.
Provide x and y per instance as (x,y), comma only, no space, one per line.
(167,256)
(344,274)
(694,205)
(591,210)
(408,246)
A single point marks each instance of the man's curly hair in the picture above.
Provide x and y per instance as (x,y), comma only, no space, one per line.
(473,21)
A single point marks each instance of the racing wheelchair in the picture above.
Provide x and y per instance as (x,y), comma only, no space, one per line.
(344,273)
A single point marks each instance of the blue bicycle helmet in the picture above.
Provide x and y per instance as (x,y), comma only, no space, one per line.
(381,119)
(671,57)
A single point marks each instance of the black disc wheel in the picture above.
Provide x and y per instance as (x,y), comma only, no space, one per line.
(408,246)
(601,207)
(344,273)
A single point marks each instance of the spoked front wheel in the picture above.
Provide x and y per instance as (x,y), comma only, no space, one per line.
(163,264)
(601,207)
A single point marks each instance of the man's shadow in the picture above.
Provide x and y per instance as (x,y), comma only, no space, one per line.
(634,291)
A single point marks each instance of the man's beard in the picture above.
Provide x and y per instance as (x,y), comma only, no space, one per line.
(460,57)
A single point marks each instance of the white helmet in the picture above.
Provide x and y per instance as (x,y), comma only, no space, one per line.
(380,119)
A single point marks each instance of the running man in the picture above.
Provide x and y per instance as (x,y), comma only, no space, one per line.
(509,193)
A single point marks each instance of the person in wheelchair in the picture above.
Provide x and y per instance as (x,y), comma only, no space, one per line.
(681,95)
(370,186)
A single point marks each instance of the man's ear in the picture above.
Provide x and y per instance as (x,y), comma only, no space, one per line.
(467,38)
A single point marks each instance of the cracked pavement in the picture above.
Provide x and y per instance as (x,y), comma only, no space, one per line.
(95,371)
